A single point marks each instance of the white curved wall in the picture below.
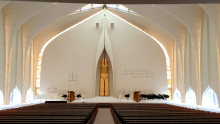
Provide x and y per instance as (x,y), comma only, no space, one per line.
(2,53)
(76,49)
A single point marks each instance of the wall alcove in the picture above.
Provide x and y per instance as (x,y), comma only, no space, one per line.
(98,75)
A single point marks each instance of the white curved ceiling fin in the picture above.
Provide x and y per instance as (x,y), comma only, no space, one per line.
(104,42)
(108,48)
(100,49)
(109,51)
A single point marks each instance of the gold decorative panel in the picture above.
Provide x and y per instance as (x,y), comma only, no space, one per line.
(104,78)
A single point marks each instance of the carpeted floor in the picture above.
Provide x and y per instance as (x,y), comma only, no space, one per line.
(104,116)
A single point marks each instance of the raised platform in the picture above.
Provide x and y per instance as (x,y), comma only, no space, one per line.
(55,101)
(108,99)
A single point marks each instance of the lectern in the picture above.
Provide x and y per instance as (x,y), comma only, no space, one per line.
(71,96)
(137,96)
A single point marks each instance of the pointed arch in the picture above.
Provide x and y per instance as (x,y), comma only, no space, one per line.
(29,96)
(177,96)
(37,92)
(1,98)
(190,97)
(15,97)
(210,98)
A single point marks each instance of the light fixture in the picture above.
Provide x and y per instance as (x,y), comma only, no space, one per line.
(97,24)
(112,24)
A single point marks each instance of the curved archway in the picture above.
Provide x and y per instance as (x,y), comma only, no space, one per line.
(47,43)
(29,96)
(37,92)
(190,97)
(98,72)
(209,98)
(15,97)
(177,96)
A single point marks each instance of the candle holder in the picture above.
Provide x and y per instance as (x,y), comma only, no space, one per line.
(55,90)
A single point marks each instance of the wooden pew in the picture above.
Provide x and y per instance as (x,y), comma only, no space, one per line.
(160,113)
(51,113)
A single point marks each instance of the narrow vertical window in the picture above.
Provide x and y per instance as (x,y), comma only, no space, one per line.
(190,97)
(177,96)
(29,96)
(1,99)
(209,98)
(15,97)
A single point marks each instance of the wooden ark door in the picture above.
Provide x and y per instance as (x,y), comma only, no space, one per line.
(104,78)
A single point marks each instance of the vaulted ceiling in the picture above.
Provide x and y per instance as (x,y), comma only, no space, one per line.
(168,23)
(128,1)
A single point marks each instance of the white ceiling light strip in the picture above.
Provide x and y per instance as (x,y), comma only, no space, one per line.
(45,45)
(113,6)
(90,6)
(119,7)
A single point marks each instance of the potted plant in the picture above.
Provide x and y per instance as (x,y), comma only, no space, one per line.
(160,96)
(146,96)
(78,96)
(142,96)
(154,96)
(150,96)
(64,96)
(127,96)
(166,96)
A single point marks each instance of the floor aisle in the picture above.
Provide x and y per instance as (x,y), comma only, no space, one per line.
(104,116)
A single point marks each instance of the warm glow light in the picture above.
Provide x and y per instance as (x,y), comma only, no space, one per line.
(37,90)
(169,93)
(46,44)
